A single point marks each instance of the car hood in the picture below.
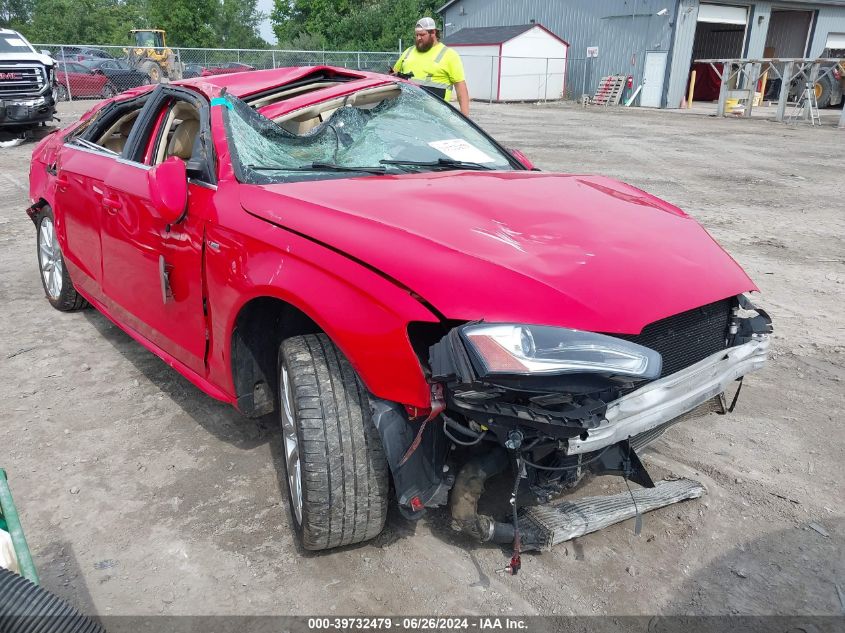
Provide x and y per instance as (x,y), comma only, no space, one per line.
(583,252)
(27,56)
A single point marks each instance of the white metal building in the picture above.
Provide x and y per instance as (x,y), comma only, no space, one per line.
(656,41)
(526,62)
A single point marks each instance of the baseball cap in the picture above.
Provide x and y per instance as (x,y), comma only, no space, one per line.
(426,24)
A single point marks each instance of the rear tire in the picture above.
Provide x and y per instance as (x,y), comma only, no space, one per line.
(823,93)
(337,473)
(27,608)
(51,265)
(153,70)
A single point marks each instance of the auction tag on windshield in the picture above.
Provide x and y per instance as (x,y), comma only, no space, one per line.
(14,41)
(459,149)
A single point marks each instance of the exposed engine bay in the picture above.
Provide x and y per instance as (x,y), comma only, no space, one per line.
(552,405)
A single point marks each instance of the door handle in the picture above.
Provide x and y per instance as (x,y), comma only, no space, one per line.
(111,204)
(62,181)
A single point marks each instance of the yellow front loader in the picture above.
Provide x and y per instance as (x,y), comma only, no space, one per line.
(150,54)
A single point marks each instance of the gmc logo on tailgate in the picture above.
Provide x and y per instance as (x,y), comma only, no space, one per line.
(11,76)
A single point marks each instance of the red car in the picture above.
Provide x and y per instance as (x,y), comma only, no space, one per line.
(76,81)
(413,300)
(226,69)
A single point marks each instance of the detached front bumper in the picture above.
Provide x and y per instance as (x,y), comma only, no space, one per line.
(666,399)
(27,111)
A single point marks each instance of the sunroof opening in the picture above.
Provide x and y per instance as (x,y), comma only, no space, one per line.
(317,80)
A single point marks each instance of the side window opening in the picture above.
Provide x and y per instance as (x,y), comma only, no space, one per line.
(179,133)
(115,137)
(109,129)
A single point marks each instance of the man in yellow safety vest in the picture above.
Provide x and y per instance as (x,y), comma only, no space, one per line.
(433,65)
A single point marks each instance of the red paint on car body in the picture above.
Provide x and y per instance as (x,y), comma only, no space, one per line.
(574,251)
(365,256)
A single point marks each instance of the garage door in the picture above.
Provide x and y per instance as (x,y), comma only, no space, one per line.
(722,14)
(835,40)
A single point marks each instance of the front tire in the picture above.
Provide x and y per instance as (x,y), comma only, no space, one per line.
(337,473)
(823,93)
(51,264)
(60,93)
(153,70)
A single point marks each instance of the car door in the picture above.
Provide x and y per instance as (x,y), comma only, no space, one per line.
(66,76)
(114,75)
(80,167)
(123,76)
(81,82)
(152,271)
(77,79)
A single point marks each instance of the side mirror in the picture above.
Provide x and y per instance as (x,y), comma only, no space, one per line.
(522,159)
(44,51)
(169,189)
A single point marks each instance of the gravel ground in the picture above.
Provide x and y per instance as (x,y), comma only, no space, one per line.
(140,495)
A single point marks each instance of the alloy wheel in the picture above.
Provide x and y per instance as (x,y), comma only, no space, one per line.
(292,461)
(50,258)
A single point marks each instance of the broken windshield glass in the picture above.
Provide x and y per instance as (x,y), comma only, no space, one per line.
(406,131)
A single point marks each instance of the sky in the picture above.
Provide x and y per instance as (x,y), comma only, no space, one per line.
(266,6)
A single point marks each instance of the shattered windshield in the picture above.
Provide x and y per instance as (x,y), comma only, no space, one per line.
(398,130)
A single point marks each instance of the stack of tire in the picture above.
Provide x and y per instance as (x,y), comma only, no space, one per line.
(26,608)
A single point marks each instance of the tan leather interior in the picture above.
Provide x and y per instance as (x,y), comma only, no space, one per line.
(115,143)
(115,137)
(181,127)
(300,127)
(182,142)
(290,92)
(300,121)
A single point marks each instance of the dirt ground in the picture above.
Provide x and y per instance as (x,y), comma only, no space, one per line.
(140,495)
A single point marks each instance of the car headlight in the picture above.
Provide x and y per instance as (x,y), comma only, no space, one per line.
(509,348)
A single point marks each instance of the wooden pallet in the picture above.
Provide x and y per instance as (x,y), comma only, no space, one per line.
(609,91)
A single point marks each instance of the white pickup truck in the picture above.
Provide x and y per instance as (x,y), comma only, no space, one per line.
(26,83)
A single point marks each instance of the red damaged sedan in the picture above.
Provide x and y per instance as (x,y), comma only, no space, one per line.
(416,303)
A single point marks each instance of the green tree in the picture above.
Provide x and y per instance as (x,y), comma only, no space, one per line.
(304,42)
(82,21)
(189,23)
(350,24)
(237,24)
(15,13)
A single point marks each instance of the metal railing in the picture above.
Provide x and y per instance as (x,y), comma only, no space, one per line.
(740,77)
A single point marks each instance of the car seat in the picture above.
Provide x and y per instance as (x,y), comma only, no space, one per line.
(181,143)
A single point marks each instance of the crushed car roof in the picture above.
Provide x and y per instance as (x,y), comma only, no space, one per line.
(254,81)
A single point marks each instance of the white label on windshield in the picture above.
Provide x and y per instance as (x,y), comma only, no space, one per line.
(14,41)
(459,149)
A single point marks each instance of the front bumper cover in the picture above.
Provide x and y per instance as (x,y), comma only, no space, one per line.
(666,399)
(27,111)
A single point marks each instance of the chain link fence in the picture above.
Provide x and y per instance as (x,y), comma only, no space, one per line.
(95,72)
